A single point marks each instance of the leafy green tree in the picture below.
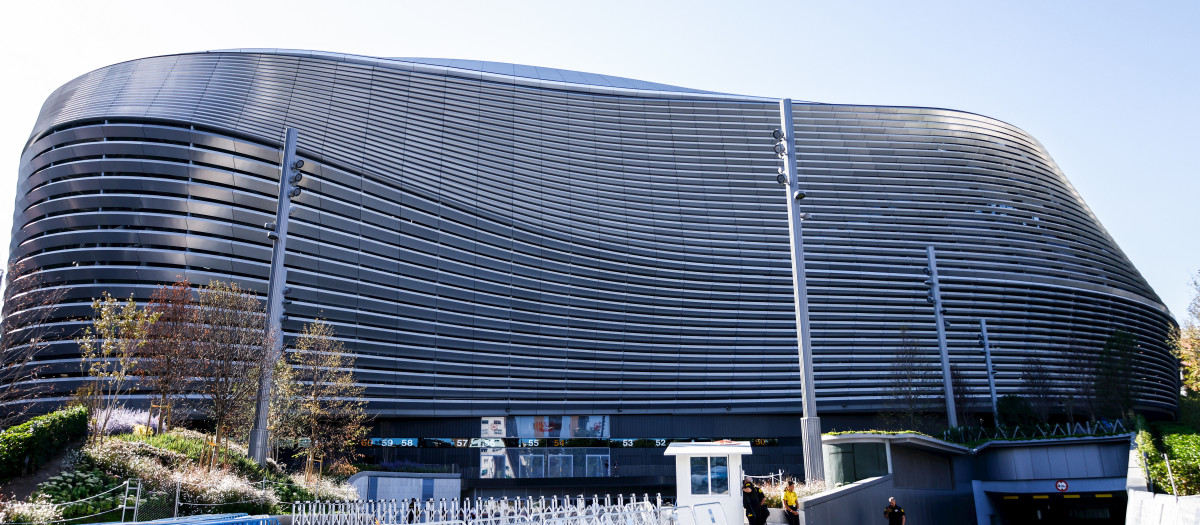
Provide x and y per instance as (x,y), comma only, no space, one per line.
(1187,344)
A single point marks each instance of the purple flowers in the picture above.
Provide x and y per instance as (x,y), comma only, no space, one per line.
(121,420)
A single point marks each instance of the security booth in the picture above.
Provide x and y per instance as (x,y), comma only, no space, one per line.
(710,473)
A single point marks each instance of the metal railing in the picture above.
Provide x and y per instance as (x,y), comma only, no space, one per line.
(554,510)
(1042,431)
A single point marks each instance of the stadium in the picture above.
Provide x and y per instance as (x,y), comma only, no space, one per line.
(547,274)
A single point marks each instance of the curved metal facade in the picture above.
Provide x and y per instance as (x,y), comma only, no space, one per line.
(548,242)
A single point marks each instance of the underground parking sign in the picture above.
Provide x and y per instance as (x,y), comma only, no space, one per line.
(1061,485)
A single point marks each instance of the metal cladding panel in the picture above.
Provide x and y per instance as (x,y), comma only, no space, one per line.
(486,242)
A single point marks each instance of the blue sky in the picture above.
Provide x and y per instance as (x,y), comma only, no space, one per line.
(1109,88)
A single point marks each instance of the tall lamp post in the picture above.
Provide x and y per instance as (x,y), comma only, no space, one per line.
(289,180)
(810,424)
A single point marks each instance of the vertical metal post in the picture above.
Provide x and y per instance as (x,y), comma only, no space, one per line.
(991,373)
(289,177)
(137,501)
(939,316)
(178,485)
(810,424)
(125,501)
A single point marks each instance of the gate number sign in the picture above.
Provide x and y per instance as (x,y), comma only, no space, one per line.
(1061,485)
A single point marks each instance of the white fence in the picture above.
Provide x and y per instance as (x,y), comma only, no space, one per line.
(609,510)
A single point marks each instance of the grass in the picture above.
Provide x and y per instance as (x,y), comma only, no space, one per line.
(194,446)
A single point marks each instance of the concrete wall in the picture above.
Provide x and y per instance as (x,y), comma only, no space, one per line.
(858,502)
(928,495)
(1155,509)
(406,485)
(1058,460)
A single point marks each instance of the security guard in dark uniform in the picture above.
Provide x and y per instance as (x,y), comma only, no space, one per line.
(894,513)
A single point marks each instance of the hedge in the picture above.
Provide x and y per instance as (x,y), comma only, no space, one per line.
(31,444)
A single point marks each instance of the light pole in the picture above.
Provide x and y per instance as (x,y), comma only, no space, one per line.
(991,372)
(810,424)
(289,180)
(935,297)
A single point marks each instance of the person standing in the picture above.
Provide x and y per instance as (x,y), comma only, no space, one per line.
(747,503)
(791,508)
(894,513)
(752,501)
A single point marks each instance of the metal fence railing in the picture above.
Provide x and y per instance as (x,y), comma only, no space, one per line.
(1040,431)
(580,510)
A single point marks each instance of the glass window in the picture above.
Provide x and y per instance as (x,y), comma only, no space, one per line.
(719,475)
(597,466)
(533,466)
(560,466)
(699,475)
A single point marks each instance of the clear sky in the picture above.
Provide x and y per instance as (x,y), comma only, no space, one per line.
(1109,88)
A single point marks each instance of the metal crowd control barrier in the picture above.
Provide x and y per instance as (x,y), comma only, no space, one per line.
(554,510)
(211,519)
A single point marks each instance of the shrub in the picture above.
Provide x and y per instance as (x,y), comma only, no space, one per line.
(325,489)
(1182,446)
(122,420)
(193,446)
(85,481)
(161,469)
(30,445)
(774,490)
(37,511)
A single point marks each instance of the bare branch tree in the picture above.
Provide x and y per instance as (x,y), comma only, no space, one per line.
(230,345)
(109,349)
(912,384)
(29,303)
(1038,385)
(330,411)
(1114,377)
(1080,385)
(169,351)
(964,393)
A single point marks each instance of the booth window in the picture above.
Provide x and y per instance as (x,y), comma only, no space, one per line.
(710,475)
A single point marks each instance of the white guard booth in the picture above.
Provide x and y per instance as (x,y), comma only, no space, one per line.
(707,475)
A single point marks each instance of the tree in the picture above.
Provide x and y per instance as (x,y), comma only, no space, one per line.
(281,418)
(1187,344)
(1080,383)
(964,394)
(329,409)
(230,342)
(169,351)
(1038,385)
(1015,411)
(29,303)
(1114,382)
(912,384)
(109,348)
